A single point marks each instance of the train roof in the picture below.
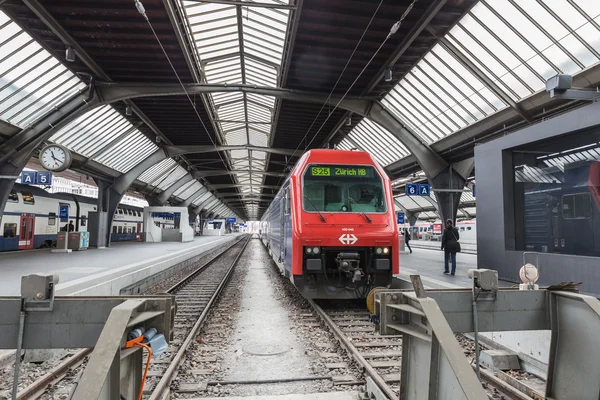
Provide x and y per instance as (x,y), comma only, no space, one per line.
(39,192)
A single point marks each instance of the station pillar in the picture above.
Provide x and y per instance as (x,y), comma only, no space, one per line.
(411,217)
(448,187)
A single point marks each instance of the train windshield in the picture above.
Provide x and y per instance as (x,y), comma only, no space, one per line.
(343,188)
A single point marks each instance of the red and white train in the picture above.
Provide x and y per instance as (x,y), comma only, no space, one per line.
(332,228)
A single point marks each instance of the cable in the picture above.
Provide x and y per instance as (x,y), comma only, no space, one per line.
(140,7)
(392,31)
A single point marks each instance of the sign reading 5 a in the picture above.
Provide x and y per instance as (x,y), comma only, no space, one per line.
(43,178)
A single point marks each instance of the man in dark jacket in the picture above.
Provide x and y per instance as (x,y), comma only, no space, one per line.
(450,246)
(407,239)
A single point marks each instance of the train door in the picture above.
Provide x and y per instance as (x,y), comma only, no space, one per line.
(26,233)
(138,231)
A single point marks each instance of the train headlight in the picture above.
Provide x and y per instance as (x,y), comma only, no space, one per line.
(316,250)
(309,250)
(386,250)
(379,250)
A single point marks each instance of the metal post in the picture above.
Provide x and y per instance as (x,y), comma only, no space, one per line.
(476,330)
(18,355)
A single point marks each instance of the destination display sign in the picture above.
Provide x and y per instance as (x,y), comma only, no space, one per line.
(357,171)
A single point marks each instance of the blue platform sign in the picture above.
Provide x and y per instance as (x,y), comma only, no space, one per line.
(230,220)
(209,219)
(43,178)
(28,177)
(412,189)
(424,189)
(63,212)
(401,218)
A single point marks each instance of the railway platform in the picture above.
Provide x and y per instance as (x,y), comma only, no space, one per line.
(101,272)
(430,265)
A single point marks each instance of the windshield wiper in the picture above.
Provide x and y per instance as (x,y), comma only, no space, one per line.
(363,213)
(315,208)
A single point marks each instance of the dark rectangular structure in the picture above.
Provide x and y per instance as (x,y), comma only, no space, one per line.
(538,191)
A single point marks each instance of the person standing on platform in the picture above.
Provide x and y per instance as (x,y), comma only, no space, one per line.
(450,245)
(407,239)
(71,227)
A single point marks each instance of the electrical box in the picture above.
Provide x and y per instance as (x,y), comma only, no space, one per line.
(559,82)
(486,279)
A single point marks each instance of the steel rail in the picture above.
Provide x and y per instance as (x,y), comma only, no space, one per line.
(353,352)
(163,385)
(36,388)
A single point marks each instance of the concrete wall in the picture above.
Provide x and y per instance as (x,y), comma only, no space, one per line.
(496,212)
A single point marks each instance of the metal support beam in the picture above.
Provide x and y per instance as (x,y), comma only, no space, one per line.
(218,172)
(450,184)
(197,193)
(179,150)
(426,16)
(167,193)
(225,186)
(249,4)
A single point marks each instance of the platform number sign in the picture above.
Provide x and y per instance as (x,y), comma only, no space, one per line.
(401,218)
(42,178)
(421,189)
(28,177)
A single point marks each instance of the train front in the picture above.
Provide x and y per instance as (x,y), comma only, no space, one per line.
(345,233)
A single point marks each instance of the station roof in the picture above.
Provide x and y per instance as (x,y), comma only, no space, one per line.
(461,71)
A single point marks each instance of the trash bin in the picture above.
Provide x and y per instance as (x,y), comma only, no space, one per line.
(79,240)
(401,243)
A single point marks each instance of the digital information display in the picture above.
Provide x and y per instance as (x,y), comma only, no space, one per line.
(341,171)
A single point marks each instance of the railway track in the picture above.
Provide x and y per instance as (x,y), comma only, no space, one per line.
(195,294)
(380,356)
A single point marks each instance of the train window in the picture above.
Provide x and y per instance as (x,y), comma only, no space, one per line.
(133,230)
(129,212)
(83,220)
(28,198)
(10,230)
(52,218)
(343,188)
(287,201)
(468,228)
(114,229)
(13,196)
(120,229)
(462,228)
(119,211)
(577,206)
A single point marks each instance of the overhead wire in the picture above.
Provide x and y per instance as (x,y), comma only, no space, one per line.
(392,31)
(140,7)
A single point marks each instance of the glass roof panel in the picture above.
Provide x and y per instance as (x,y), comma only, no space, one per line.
(183,188)
(375,139)
(190,190)
(32,81)
(154,172)
(127,152)
(215,32)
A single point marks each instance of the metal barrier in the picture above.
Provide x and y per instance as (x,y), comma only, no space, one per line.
(434,365)
(38,320)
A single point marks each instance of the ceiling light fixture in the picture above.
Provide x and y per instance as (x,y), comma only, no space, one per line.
(349,121)
(70,54)
(389,75)
(128,111)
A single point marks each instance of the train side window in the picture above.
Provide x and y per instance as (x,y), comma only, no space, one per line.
(133,230)
(120,229)
(577,206)
(28,198)
(287,201)
(83,220)
(52,218)
(114,229)
(119,211)
(462,228)
(13,197)
(468,228)
(10,230)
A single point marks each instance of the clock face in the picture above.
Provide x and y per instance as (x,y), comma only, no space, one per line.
(55,158)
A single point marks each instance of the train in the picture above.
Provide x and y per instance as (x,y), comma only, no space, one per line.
(564,217)
(31,218)
(331,229)
(433,230)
